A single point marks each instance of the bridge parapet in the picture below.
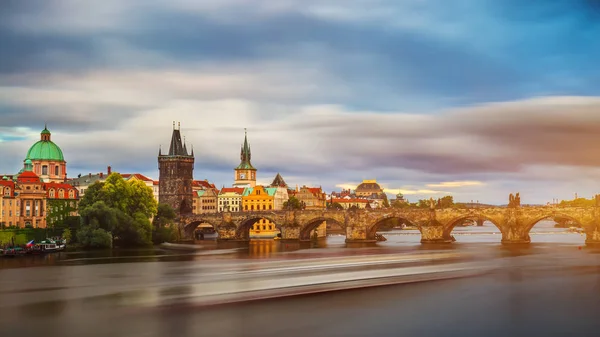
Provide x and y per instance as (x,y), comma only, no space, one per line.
(435,224)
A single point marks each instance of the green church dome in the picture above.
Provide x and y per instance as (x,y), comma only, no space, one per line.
(45,149)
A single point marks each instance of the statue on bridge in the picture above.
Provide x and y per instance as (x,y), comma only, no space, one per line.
(431,203)
(514,200)
(597,199)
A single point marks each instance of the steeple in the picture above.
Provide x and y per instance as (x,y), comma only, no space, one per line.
(245,155)
(177,147)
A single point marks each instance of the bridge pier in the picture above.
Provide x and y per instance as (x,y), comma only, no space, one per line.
(290,233)
(226,233)
(592,238)
(358,234)
(435,234)
(515,235)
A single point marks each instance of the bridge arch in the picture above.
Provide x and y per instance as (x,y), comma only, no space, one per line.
(372,229)
(551,215)
(245,225)
(191,226)
(312,224)
(450,225)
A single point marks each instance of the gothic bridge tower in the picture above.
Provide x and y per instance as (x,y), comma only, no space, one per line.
(176,172)
(245,173)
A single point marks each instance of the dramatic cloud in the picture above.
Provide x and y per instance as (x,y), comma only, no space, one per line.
(478,99)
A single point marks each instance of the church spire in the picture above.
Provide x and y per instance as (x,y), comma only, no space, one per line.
(245,154)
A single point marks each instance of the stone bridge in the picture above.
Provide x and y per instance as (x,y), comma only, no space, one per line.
(360,225)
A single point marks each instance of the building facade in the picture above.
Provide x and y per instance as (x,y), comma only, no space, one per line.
(205,201)
(245,173)
(27,201)
(311,197)
(260,198)
(47,159)
(176,173)
(347,203)
(230,199)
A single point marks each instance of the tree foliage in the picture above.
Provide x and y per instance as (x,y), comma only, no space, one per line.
(91,237)
(579,202)
(123,208)
(293,203)
(335,206)
(66,235)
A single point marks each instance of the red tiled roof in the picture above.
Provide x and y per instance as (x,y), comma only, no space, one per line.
(28,177)
(202,183)
(9,184)
(155,182)
(59,185)
(239,190)
(350,201)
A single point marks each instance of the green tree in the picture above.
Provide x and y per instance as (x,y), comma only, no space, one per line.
(445,202)
(400,204)
(335,206)
(579,202)
(293,203)
(162,225)
(123,208)
(165,216)
(66,235)
(91,237)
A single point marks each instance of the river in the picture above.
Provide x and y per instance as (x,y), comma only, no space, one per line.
(550,287)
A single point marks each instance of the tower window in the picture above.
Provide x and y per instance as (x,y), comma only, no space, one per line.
(45,170)
(56,170)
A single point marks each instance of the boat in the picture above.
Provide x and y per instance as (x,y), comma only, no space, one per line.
(14,251)
(47,246)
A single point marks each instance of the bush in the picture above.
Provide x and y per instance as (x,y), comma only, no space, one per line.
(90,237)
(163,234)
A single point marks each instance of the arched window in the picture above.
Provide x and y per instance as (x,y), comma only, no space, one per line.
(61,194)
(51,193)
(45,170)
(56,170)
(71,194)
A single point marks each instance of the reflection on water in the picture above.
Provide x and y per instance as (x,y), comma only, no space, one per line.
(543,232)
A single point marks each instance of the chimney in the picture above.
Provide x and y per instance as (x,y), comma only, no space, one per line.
(108,170)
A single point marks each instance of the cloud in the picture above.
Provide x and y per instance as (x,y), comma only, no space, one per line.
(453,184)
(422,96)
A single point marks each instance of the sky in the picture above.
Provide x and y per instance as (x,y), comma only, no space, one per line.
(471,98)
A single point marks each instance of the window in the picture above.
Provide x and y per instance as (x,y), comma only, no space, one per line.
(45,170)
(264,227)
(56,170)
